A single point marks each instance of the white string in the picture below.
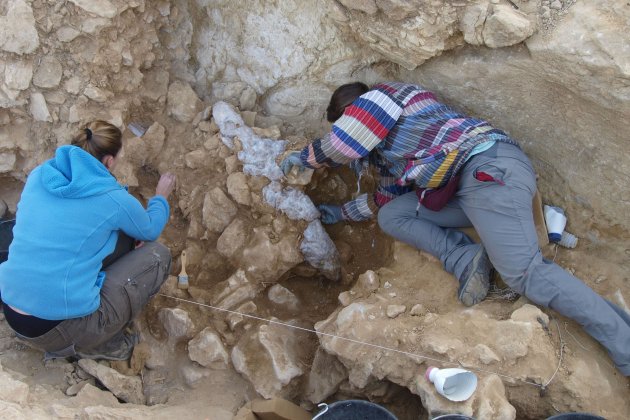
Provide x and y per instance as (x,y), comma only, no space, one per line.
(445,362)
(561,353)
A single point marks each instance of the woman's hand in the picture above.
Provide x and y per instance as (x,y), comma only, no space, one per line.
(165,185)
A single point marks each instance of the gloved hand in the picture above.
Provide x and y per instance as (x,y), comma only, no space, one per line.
(331,214)
(292,159)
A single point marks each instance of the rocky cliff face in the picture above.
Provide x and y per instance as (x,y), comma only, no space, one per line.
(554,74)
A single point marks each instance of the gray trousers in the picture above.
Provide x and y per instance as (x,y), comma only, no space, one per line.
(501,213)
(129,284)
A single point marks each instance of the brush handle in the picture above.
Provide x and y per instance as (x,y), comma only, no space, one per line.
(182,259)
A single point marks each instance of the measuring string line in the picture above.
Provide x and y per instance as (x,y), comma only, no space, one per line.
(445,362)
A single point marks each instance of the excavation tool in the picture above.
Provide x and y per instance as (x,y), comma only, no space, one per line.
(182,279)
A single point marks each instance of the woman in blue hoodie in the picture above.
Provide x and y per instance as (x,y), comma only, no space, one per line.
(73,280)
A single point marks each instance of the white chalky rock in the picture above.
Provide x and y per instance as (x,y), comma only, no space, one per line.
(127,388)
(394,310)
(18,74)
(182,101)
(38,107)
(48,73)
(218,210)
(208,350)
(176,322)
(239,190)
(101,8)
(506,26)
(283,296)
(17,28)
(12,390)
(7,162)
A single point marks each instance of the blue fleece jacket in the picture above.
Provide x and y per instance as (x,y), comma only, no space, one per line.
(67,222)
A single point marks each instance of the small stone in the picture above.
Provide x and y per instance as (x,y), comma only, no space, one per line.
(248,117)
(392,294)
(208,350)
(74,389)
(394,310)
(193,374)
(345,298)
(387,285)
(183,103)
(417,310)
(96,94)
(370,281)
(556,5)
(282,296)
(67,34)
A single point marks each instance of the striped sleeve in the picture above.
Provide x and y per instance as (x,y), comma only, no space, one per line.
(363,125)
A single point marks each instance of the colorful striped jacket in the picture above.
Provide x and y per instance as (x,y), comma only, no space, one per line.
(417,142)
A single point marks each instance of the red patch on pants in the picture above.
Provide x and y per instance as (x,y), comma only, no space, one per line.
(485,177)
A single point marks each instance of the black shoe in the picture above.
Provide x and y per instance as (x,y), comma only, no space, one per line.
(475,280)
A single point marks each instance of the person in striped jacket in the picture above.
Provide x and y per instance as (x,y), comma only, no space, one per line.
(439,171)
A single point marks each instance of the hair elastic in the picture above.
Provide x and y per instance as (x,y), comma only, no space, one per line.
(88,132)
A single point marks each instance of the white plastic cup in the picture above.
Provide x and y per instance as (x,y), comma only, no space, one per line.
(454,384)
(555,221)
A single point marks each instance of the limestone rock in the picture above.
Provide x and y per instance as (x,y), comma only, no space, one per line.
(369,281)
(493,403)
(282,296)
(394,310)
(247,101)
(48,73)
(193,374)
(102,8)
(365,6)
(18,74)
(12,390)
(506,26)
(97,94)
(176,322)
(325,376)
(17,28)
(196,159)
(67,34)
(73,85)
(239,190)
(472,22)
(208,350)
(234,320)
(38,107)
(232,239)
(218,210)
(235,290)
(127,388)
(7,162)
(154,139)
(270,356)
(268,255)
(183,103)
(155,85)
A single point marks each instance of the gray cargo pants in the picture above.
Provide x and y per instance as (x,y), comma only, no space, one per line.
(129,284)
(501,213)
